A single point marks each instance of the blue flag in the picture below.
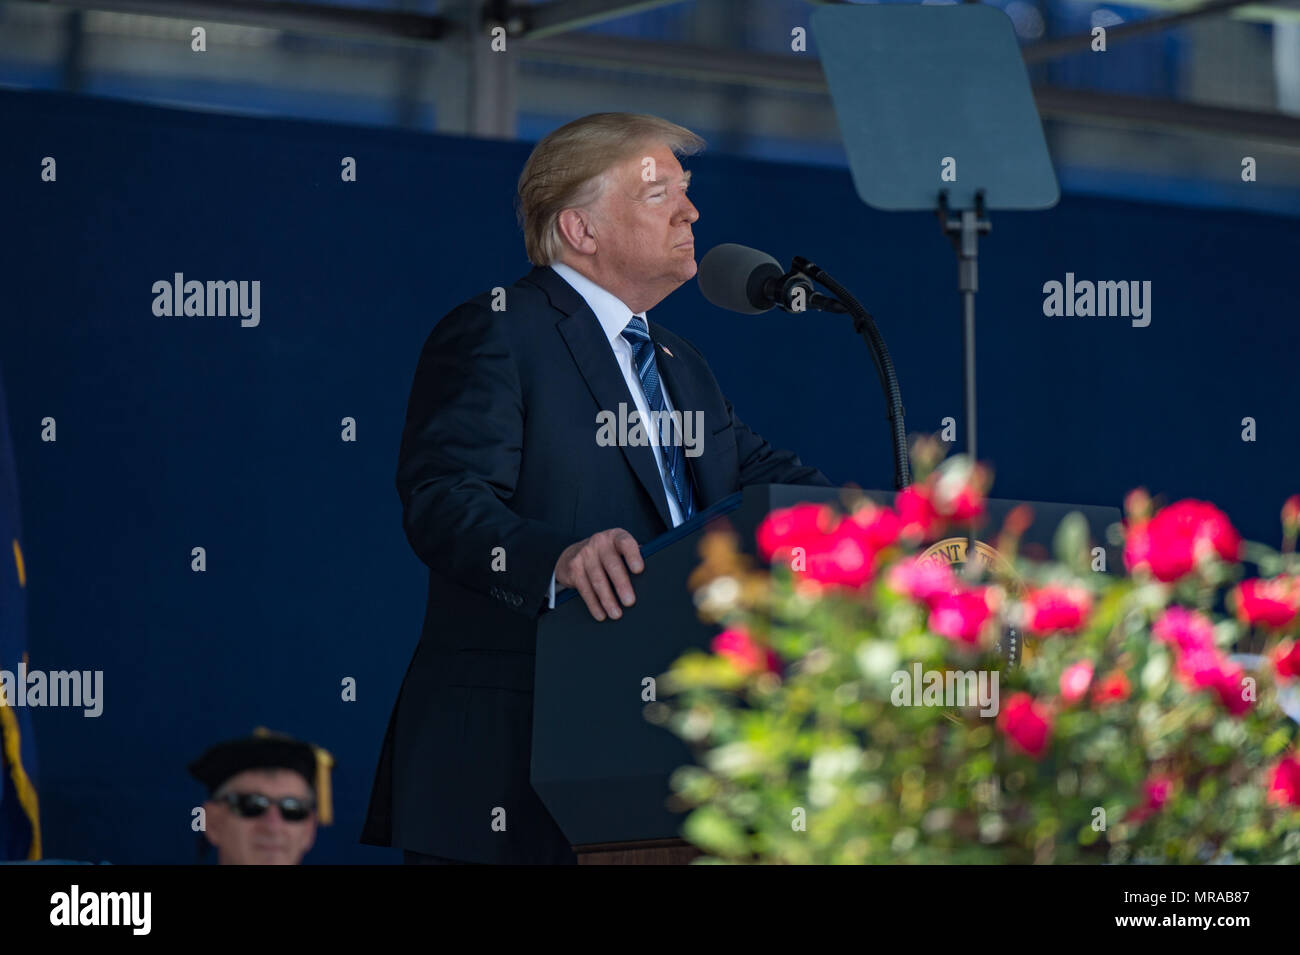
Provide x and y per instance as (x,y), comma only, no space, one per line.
(20,826)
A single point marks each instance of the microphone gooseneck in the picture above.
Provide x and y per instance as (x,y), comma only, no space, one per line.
(865,325)
(745,280)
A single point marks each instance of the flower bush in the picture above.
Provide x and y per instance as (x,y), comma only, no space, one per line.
(857,708)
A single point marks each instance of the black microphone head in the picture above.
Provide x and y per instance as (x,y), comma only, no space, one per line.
(731,276)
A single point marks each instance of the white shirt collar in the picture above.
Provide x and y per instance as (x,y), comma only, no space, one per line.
(610,311)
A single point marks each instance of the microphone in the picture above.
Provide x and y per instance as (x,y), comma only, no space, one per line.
(748,281)
(745,280)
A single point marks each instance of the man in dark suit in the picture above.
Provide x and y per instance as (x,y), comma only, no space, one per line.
(508,493)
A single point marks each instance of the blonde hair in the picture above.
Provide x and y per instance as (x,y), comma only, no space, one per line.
(569,167)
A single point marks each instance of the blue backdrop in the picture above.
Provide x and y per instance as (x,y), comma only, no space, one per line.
(183,432)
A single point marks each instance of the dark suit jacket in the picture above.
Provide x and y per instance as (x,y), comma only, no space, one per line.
(499,450)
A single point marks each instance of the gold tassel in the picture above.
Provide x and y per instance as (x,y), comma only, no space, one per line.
(324,763)
(324,803)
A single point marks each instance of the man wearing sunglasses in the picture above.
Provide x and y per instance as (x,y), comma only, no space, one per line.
(267,793)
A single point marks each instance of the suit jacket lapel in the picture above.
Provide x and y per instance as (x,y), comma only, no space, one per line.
(599,368)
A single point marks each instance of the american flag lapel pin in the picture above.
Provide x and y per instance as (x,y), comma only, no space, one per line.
(666,351)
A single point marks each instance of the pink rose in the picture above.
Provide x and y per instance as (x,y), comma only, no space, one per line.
(923,580)
(1198,662)
(962,616)
(1026,723)
(1184,630)
(1056,609)
(1211,670)
(1074,681)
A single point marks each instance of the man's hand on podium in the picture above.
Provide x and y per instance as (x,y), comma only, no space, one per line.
(594,567)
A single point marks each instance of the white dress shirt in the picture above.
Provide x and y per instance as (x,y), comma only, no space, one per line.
(613,316)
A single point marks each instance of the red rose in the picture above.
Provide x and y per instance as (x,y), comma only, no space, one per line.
(744,654)
(799,526)
(1166,558)
(1170,544)
(1155,793)
(1267,603)
(923,580)
(876,527)
(916,512)
(1026,723)
(1113,688)
(1218,530)
(961,616)
(1286,659)
(1284,782)
(843,558)
(1056,608)
(1074,681)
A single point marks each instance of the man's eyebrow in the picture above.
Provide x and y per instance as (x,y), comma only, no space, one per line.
(686,178)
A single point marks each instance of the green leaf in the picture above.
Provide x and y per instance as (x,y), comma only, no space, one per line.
(1071,541)
(712,831)
(1276,741)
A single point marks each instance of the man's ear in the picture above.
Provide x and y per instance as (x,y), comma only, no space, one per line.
(213,822)
(578,230)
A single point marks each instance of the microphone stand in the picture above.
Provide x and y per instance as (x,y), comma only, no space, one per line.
(865,326)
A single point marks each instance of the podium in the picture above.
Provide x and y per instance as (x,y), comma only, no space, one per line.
(600,768)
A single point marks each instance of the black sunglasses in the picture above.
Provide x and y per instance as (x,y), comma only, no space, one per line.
(252,805)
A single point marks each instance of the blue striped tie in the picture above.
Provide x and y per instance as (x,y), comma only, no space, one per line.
(643,355)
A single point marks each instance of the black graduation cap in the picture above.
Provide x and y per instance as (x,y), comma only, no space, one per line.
(267,750)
